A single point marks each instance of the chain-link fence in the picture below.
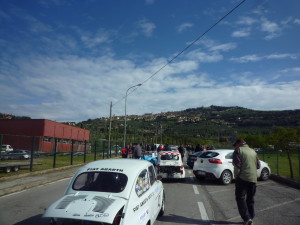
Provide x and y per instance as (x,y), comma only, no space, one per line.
(284,163)
(35,153)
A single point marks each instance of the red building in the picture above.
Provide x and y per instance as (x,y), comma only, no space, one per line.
(42,134)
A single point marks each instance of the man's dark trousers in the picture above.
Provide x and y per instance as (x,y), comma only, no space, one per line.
(244,195)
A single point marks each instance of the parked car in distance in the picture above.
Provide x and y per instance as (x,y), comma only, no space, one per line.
(17,154)
(170,165)
(192,157)
(217,164)
(112,191)
(6,148)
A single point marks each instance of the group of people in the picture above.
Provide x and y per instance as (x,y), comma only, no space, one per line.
(245,162)
(136,150)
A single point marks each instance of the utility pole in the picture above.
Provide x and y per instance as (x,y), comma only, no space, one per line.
(109,133)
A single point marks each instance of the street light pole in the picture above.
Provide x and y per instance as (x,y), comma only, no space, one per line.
(124,144)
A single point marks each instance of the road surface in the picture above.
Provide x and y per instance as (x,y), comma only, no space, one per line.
(190,203)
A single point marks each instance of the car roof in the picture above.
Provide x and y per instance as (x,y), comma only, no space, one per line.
(221,151)
(126,166)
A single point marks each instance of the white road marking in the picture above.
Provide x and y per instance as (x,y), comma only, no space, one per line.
(195,190)
(202,211)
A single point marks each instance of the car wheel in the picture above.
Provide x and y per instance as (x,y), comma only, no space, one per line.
(162,209)
(265,173)
(226,177)
(16,168)
(7,169)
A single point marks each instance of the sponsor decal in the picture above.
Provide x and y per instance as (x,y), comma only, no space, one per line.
(99,215)
(105,169)
(144,215)
(88,215)
(76,214)
(136,208)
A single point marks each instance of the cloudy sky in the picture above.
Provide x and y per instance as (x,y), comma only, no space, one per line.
(67,60)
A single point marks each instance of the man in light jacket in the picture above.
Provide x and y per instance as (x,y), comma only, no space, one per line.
(246,163)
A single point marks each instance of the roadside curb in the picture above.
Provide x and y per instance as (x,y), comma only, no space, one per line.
(285,180)
(41,177)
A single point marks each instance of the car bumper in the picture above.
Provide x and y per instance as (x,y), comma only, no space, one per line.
(172,175)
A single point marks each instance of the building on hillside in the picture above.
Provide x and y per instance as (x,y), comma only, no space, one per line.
(43,135)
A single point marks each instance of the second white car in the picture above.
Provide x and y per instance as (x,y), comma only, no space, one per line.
(217,164)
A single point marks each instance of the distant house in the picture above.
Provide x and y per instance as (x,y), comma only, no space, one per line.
(43,135)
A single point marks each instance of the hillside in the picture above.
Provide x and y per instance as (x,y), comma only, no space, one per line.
(203,124)
(190,125)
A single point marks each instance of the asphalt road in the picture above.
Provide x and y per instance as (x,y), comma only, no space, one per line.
(190,202)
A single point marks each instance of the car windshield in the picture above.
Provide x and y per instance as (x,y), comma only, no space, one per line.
(101,181)
(209,154)
(169,157)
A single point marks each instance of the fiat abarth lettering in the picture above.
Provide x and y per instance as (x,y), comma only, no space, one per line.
(113,191)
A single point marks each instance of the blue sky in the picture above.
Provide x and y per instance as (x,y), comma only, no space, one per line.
(66,60)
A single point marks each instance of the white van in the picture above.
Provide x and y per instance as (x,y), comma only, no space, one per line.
(6,148)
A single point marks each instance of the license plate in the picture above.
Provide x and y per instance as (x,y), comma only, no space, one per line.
(201,173)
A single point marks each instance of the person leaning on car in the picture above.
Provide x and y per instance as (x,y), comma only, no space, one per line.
(246,163)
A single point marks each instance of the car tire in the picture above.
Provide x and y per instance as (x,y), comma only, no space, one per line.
(264,175)
(16,168)
(7,169)
(162,209)
(226,177)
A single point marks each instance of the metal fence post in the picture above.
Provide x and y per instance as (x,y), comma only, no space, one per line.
(32,154)
(102,149)
(1,141)
(72,151)
(95,151)
(84,157)
(54,156)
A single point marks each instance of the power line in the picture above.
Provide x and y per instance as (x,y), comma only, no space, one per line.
(186,48)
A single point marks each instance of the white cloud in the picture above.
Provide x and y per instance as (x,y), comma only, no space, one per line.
(271,28)
(246,58)
(255,58)
(201,56)
(146,27)
(74,88)
(241,33)
(223,47)
(247,21)
(184,27)
(149,2)
(297,21)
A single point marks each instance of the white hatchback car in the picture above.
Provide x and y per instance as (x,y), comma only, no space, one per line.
(217,164)
(170,165)
(113,191)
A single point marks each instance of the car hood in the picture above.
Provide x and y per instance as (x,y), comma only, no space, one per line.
(91,207)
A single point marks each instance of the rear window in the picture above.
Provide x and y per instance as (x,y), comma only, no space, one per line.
(169,157)
(101,181)
(209,155)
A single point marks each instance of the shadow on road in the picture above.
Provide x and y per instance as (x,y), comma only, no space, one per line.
(35,220)
(184,220)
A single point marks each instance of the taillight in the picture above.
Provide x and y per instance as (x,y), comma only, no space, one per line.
(181,167)
(216,161)
(195,159)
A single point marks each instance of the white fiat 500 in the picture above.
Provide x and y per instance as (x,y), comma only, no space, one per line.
(170,165)
(217,164)
(113,191)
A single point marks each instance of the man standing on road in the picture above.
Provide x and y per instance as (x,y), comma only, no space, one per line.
(138,151)
(246,163)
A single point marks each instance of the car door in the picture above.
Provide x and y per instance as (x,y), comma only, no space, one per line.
(155,198)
